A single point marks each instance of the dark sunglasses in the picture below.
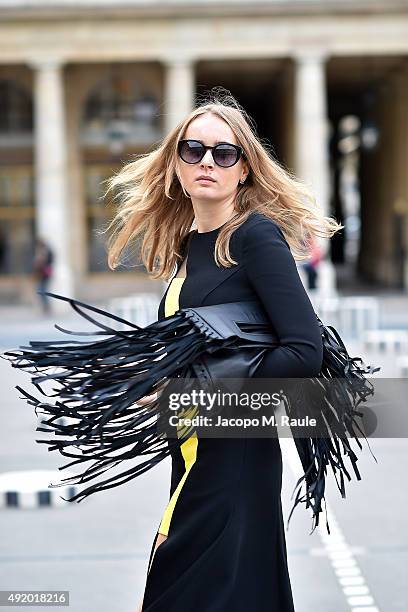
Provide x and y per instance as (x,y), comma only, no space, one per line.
(224,154)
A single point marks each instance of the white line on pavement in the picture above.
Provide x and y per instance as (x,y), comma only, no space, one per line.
(340,554)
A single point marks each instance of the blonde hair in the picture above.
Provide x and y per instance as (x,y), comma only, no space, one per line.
(153,204)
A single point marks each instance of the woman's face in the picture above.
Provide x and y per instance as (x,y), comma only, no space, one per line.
(210,130)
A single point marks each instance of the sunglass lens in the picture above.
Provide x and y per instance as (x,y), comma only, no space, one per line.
(224,155)
(191,152)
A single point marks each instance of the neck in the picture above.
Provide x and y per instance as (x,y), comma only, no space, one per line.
(210,215)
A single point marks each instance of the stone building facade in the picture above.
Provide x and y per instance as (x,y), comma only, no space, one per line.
(83,85)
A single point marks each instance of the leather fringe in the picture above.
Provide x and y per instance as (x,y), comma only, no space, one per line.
(343,386)
(99,384)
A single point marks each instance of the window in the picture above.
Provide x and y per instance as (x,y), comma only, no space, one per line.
(17,229)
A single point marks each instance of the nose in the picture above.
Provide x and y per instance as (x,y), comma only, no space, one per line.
(207,159)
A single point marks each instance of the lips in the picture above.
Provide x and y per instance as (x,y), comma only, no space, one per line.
(206,178)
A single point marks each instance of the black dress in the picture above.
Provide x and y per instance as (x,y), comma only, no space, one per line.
(226,548)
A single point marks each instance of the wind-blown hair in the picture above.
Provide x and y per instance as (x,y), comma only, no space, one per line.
(154,205)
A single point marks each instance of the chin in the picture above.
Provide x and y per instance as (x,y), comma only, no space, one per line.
(203,192)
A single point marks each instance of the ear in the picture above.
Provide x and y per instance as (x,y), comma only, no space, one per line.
(245,170)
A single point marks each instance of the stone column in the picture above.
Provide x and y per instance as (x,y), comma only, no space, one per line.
(312,162)
(400,203)
(52,207)
(179,91)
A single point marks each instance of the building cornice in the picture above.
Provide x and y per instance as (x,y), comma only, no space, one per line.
(101,10)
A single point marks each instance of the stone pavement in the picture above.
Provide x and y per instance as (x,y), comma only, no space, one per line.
(98,549)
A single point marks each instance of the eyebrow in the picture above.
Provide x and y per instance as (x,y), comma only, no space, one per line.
(217,142)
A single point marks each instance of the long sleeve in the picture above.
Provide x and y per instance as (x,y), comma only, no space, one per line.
(272,272)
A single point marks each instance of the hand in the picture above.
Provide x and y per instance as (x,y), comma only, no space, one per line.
(147,399)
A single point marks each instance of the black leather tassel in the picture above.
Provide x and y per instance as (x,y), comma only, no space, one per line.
(343,386)
(100,382)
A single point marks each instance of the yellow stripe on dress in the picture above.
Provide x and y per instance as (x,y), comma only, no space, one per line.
(189,447)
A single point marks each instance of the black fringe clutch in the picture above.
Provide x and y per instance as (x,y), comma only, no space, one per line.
(100,382)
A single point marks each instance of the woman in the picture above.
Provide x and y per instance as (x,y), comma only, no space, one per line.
(42,270)
(311,266)
(220,545)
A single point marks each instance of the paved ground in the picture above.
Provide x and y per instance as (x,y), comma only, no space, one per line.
(98,549)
